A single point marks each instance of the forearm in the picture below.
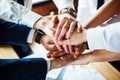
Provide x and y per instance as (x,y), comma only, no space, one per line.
(55,63)
(102,56)
(104,13)
(14,12)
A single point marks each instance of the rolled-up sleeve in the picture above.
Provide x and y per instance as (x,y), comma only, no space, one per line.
(14,12)
(107,38)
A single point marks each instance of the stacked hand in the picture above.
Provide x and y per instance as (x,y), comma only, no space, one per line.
(68,42)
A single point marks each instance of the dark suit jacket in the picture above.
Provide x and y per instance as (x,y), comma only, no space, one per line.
(19,69)
(23,69)
(13,33)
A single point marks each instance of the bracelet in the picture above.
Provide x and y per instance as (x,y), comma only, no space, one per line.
(70,11)
(38,36)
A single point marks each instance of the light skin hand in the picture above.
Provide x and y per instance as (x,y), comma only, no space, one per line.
(44,24)
(76,39)
(71,24)
(57,54)
(66,48)
(65,21)
(83,59)
(48,43)
(89,57)
(96,56)
(57,62)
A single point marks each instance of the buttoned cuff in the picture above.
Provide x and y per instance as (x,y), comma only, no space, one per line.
(30,18)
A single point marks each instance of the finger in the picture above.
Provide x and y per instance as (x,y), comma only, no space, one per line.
(54,20)
(66,48)
(58,54)
(59,47)
(66,57)
(83,59)
(52,29)
(70,48)
(59,27)
(49,54)
(52,13)
(76,52)
(64,29)
(71,30)
(79,29)
(53,48)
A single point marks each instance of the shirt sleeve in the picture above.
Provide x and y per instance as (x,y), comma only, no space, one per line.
(30,36)
(14,12)
(61,4)
(107,38)
(13,33)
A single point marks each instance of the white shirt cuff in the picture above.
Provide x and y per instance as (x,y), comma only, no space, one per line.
(95,38)
(30,36)
(48,64)
(30,18)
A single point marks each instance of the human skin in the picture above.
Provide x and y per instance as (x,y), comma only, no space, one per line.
(89,57)
(107,11)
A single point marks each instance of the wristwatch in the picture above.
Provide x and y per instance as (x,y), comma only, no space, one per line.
(87,47)
(38,36)
(70,11)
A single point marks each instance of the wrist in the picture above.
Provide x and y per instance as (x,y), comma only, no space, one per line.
(86,45)
(70,11)
(40,23)
(84,36)
(39,35)
(55,63)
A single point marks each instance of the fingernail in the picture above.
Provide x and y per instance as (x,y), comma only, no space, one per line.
(68,37)
(60,49)
(78,30)
(66,51)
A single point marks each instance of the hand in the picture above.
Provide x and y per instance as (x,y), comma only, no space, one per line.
(95,56)
(66,26)
(57,62)
(60,54)
(67,48)
(48,43)
(44,24)
(76,39)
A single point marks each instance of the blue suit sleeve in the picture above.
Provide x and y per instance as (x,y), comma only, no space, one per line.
(23,69)
(13,33)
